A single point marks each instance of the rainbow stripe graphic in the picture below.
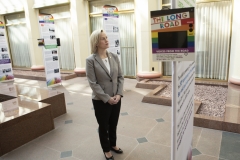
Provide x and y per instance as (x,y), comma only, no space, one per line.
(155,40)
(46,19)
(6,77)
(53,81)
(190,40)
(110,11)
(1,25)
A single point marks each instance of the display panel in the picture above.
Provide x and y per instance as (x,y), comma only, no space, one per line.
(172,40)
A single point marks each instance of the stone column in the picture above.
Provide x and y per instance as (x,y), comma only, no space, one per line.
(143,37)
(80,28)
(234,73)
(31,16)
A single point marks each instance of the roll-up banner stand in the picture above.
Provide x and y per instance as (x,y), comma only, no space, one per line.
(6,72)
(50,50)
(173,40)
(111,27)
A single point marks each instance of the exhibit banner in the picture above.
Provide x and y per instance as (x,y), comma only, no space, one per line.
(173,35)
(111,27)
(50,51)
(184,109)
(184,3)
(6,72)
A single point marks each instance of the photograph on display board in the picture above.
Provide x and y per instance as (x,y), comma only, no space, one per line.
(51,30)
(115,29)
(118,52)
(55,58)
(54,51)
(7,70)
(4,49)
(116,43)
(56,70)
(5,56)
(41,42)
(52,37)
(1,33)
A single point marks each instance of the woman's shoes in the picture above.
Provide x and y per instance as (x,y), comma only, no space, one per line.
(119,151)
(111,158)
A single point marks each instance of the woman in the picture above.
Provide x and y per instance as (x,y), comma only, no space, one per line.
(106,80)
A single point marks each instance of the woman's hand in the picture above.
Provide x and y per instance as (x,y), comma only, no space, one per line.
(111,100)
(114,100)
(117,98)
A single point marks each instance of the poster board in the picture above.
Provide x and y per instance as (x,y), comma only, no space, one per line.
(172,33)
(50,51)
(173,40)
(184,109)
(111,27)
(6,72)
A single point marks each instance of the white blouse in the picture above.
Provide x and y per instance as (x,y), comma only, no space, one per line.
(106,62)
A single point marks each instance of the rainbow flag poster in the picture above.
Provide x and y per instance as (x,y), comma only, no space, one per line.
(172,33)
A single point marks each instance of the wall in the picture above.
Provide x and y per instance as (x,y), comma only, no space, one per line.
(11,6)
(143,35)
(234,69)
(79,20)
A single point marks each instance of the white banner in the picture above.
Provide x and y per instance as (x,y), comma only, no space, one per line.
(111,27)
(6,72)
(184,109)
(184,101)
(185,3)
(50,51)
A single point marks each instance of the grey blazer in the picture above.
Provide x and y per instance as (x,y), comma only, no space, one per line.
(103,84)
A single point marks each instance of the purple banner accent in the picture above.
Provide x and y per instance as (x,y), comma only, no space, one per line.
(110,15)
(191,49)
(172,50)
(5,61)
(47,21)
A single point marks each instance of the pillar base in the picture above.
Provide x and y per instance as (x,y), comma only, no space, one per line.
(148,75)
(81,72)
(234,81)
(37,68)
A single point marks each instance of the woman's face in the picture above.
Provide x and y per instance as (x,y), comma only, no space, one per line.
(103,41)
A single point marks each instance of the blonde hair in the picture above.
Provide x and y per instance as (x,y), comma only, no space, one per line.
(94,40)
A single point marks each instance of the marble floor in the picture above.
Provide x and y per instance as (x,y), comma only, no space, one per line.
(143,131)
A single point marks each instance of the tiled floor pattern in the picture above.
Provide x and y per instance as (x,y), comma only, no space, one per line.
(143,130)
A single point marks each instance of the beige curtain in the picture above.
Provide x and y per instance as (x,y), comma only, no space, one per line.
(212,40)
